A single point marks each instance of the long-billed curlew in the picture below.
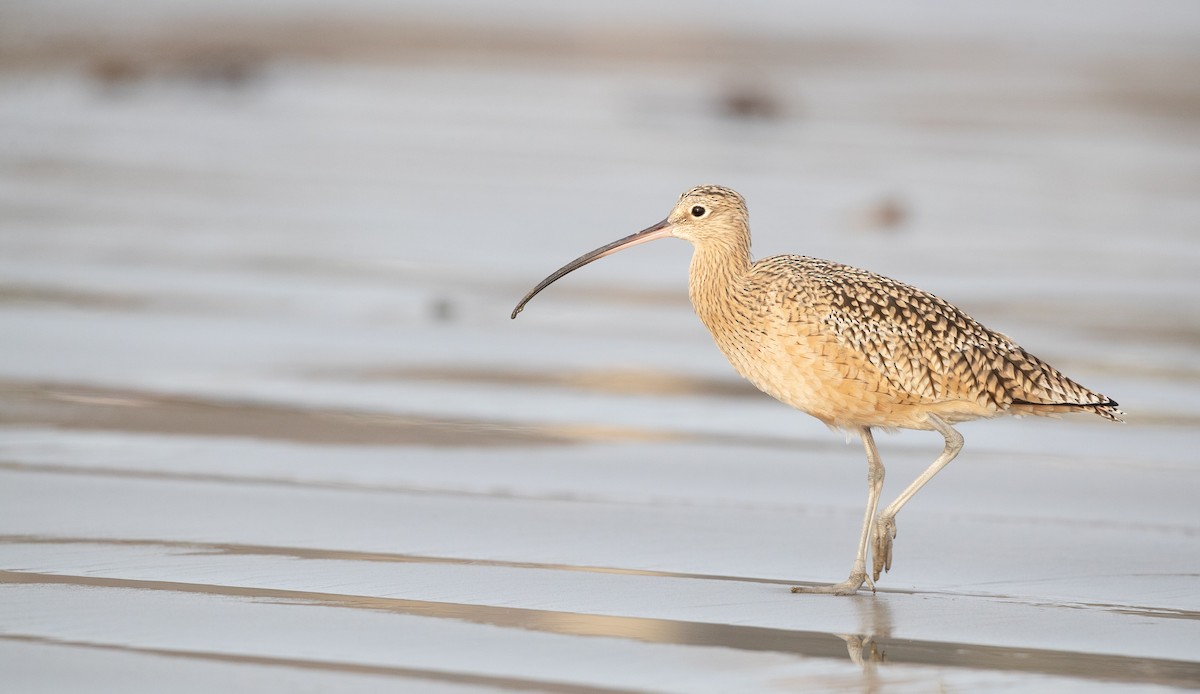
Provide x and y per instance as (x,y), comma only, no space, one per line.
(852,348)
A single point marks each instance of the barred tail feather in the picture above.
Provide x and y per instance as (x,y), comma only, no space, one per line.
(1107,409)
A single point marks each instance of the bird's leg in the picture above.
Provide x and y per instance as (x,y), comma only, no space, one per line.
(885,525)
(858,574)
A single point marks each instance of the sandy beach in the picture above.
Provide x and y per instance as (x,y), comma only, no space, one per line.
(266,425)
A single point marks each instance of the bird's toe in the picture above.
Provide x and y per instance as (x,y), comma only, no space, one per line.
(882,535)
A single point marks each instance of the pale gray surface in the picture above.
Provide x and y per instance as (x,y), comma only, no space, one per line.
(348,236)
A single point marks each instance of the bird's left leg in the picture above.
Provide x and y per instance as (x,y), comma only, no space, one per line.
(858,573)
(885,525)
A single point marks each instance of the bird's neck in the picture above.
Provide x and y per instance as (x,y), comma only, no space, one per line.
(718,269)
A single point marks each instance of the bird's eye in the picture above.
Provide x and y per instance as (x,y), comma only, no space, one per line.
(698,211)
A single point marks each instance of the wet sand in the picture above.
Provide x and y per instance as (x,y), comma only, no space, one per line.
(265,423)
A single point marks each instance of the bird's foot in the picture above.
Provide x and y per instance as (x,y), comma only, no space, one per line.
(863,650)
(849,586)
(883,531)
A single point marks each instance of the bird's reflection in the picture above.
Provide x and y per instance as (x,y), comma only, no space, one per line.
(864,647)
(874,624)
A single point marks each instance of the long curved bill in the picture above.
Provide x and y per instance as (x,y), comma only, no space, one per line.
(657,231)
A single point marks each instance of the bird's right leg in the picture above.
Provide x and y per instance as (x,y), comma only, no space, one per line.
(858,574)
(884,532)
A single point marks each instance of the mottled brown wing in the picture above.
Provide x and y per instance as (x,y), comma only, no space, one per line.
(926,349)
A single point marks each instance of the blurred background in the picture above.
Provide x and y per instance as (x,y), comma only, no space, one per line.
(274,245)
(231,195)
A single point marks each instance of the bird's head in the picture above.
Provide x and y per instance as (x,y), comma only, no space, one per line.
(704,215)
(708,214)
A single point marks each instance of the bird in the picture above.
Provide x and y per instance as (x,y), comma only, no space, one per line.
(854,349)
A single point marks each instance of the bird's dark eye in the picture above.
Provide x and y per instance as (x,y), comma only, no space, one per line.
(698,211)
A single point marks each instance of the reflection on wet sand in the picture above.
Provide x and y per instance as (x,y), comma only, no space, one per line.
(15,293)
(868,648)
(493,681)
(86,407)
